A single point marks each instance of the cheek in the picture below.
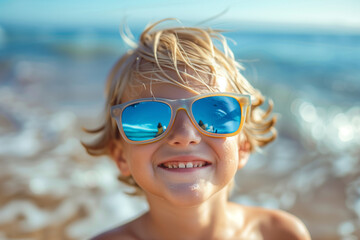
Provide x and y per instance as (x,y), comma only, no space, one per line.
(227,152)
(134,153)
(228,148)
(139,158)
(231,153)
(227,160)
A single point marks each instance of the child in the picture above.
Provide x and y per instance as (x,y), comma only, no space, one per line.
(178,126)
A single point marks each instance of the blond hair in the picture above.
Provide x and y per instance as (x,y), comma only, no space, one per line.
(180,49)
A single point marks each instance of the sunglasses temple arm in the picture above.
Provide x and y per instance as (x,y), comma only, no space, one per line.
(248,108)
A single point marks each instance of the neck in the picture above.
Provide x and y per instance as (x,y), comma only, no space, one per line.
(208,220)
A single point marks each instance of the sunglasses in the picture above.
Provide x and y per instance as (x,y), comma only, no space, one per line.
(149,119)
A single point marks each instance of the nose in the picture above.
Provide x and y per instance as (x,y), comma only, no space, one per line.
(183,133)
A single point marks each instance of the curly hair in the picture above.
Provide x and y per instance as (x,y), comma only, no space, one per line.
(180,49)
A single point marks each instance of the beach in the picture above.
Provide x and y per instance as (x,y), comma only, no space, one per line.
(51,87)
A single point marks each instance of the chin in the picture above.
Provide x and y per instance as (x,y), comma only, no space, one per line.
(188,195)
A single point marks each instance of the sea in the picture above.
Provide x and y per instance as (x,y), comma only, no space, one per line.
(52,84)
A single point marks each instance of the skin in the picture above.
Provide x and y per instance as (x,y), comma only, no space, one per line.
(193,205)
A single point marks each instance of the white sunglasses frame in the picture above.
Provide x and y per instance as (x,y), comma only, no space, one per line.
(182,104)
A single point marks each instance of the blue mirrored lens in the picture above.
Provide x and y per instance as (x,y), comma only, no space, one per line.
(145,120)
(217,114)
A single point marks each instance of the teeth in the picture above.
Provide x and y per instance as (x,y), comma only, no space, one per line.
(184,165)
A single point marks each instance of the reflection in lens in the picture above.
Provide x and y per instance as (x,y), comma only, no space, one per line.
(217,114)
(145,120)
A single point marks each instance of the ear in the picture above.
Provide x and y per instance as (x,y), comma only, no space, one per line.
(244,152)
(117,155)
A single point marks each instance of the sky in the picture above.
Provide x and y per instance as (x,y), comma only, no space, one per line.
(339,15)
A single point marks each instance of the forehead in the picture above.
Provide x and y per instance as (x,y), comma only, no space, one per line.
(183,85)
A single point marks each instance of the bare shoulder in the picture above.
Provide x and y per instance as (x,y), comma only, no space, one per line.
(277,224)
(124,232)
(114,234)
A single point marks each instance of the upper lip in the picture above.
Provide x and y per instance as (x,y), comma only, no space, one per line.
(184,159)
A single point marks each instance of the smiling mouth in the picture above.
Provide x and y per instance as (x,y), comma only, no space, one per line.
(182,165)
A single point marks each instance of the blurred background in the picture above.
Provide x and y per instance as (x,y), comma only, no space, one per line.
(55,57)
